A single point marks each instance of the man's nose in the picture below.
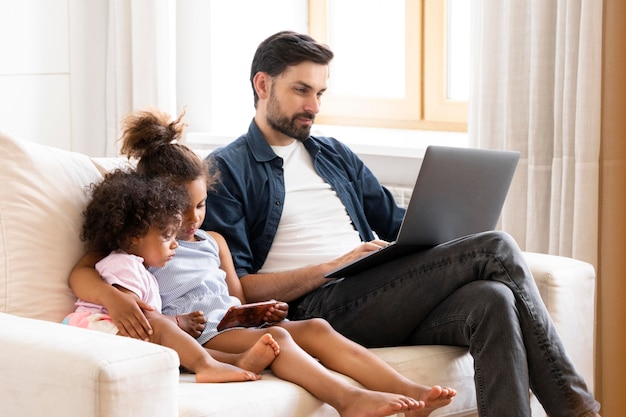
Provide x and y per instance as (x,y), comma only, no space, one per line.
(312,105)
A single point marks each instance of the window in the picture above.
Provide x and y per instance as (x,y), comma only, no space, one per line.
(213,62)
(216,42)
(398,64)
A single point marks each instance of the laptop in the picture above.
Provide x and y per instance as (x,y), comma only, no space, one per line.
(458,192)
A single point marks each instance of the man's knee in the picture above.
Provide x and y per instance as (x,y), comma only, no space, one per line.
(494,300)
(498,240)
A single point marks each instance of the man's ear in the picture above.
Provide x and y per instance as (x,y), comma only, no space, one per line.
(262,84)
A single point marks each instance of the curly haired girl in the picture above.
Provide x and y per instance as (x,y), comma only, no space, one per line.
(135,219)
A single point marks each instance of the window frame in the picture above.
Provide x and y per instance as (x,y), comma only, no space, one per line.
(425,105)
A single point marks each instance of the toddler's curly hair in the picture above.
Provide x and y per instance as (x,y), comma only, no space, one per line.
(127,204)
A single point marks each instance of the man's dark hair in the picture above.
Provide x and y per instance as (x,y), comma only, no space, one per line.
(284,49)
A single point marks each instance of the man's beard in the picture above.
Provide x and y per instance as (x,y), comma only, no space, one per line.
(285,124)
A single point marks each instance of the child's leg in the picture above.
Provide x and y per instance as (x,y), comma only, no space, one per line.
(255,359)
(318,338)
(193,356)
(295,365)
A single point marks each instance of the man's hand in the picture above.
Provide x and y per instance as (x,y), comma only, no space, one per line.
(356,253)
(290,285)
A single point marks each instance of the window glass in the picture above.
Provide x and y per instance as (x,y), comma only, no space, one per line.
(216,43)
(458,47)
(400,64)
(369,51)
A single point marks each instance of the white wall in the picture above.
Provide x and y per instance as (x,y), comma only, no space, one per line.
(52,72)
(53,80)
(87,43)
(34,70)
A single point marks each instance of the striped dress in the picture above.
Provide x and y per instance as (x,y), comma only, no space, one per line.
(193,281)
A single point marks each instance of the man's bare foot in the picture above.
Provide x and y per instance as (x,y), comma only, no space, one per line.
(259,356)
(364,403)
(434,397)
(192,323)
(215,371)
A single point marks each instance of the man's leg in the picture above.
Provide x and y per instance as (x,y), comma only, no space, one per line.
(482,315)
(383,306)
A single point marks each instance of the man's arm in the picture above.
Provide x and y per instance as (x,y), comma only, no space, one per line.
(125,309)
(291,285)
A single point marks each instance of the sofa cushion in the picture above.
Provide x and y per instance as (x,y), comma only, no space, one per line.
(444,365)
(43,196)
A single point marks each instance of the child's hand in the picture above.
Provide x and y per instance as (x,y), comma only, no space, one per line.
(192,323)
(277,312)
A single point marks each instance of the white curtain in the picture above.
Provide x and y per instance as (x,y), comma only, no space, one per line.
(535,88)
(140,61)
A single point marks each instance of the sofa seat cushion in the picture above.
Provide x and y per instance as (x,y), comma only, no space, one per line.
(450,366)
(442,365)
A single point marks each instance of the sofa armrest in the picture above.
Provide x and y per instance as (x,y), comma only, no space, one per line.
(568,289)
(53,369)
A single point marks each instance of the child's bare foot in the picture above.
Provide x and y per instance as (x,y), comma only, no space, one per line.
(222,372)
(259,356)
(192,323)
(433,398)
(364,403)
(247,365)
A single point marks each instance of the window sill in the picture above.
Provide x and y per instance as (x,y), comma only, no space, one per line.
(391,142)
(394,155)
(362,140)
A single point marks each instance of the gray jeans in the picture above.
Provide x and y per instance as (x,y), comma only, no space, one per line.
(476,292)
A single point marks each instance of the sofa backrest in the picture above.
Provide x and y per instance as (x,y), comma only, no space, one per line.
(41,202)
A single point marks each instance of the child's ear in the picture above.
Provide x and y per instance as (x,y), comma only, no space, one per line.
(134,241)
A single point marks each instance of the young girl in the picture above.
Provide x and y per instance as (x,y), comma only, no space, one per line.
(135,220)
(202,277)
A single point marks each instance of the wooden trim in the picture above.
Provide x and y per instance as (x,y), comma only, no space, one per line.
(424,105)
(437,107)
(318,20)
(392,124)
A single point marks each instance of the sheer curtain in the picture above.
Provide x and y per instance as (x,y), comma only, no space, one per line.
(140,60)
(536,88)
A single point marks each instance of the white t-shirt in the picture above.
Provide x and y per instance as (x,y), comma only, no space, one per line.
(303,238)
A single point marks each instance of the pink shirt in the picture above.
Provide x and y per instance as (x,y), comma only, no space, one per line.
(128,271)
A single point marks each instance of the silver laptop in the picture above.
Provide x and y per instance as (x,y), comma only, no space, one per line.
(458,192)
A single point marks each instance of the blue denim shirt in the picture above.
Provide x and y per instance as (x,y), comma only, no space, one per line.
(246,205)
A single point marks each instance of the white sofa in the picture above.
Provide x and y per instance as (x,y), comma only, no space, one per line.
(54,370)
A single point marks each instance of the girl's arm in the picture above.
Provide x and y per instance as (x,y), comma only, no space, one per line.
(227,265)
(274,314)
(125,309)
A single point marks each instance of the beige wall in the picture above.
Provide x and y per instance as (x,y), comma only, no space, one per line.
(611,335)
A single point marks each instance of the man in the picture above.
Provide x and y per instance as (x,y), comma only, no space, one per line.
(294,207)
